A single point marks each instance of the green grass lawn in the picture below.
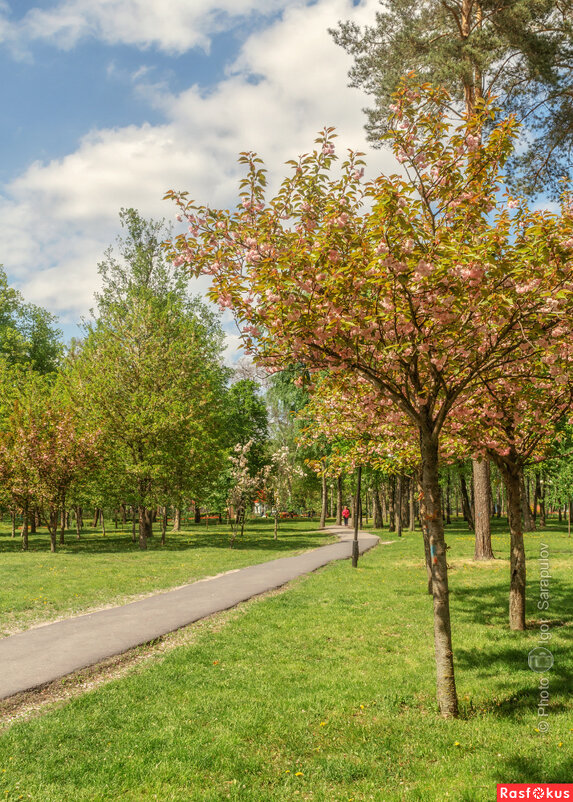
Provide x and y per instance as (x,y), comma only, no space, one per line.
(325,692)
(37,586)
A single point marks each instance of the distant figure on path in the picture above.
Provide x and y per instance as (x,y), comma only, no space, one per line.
(345,515)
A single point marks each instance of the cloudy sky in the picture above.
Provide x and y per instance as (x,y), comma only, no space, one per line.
(109,103)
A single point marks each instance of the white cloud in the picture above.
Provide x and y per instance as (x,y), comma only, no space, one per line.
(57,218)
(173,27)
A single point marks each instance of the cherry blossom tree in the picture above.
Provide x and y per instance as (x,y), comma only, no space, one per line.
(418,284)
(44,449)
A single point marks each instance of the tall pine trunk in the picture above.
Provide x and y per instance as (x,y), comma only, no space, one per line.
(445,679)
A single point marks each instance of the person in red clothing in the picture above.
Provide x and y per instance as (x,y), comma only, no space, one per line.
(345,515)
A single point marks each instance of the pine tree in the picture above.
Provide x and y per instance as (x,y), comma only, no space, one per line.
(518,50)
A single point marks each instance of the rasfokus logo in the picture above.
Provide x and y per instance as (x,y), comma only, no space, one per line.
(535,791)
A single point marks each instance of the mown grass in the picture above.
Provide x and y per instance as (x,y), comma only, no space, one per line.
(37,586)
(325,692)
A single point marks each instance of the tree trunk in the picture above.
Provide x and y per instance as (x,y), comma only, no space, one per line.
(24,532)
(412,498)
(448,498)
(324,501)
(148,521)
(339,500)
(163,525)
(63,522)
(356,515)
(133,536)
(197,514)
(425,535)
(142,527)
(53,527)
(466,506)
(398,511)
(34,523)
(446,686)
(391,505)
(570,511)
(96,518)
(512,476)
(528,522)
(482,496)
(102,521)
(378,521)
(540,498)
(176,519)
(13,522)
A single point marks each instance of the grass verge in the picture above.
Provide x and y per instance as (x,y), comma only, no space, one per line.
(325,692)
(96,571)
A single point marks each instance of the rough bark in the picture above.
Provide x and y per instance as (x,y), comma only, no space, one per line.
(445,679)
(512,475)
(482,502)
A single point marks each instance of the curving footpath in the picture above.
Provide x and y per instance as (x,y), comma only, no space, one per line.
(48,652)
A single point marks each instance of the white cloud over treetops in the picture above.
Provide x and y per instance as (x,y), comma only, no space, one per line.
(288,82)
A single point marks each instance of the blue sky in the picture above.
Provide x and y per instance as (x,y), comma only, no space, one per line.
(109,103)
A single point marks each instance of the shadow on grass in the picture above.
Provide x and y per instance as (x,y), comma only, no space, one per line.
(258,536)
(533,770)
(488,604)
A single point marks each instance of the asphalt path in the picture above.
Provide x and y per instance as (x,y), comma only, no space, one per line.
(46,653)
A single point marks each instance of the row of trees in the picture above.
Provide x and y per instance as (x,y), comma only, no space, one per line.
(141,413)
(431,307)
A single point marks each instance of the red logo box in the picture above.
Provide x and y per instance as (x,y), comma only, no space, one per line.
(535,791)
